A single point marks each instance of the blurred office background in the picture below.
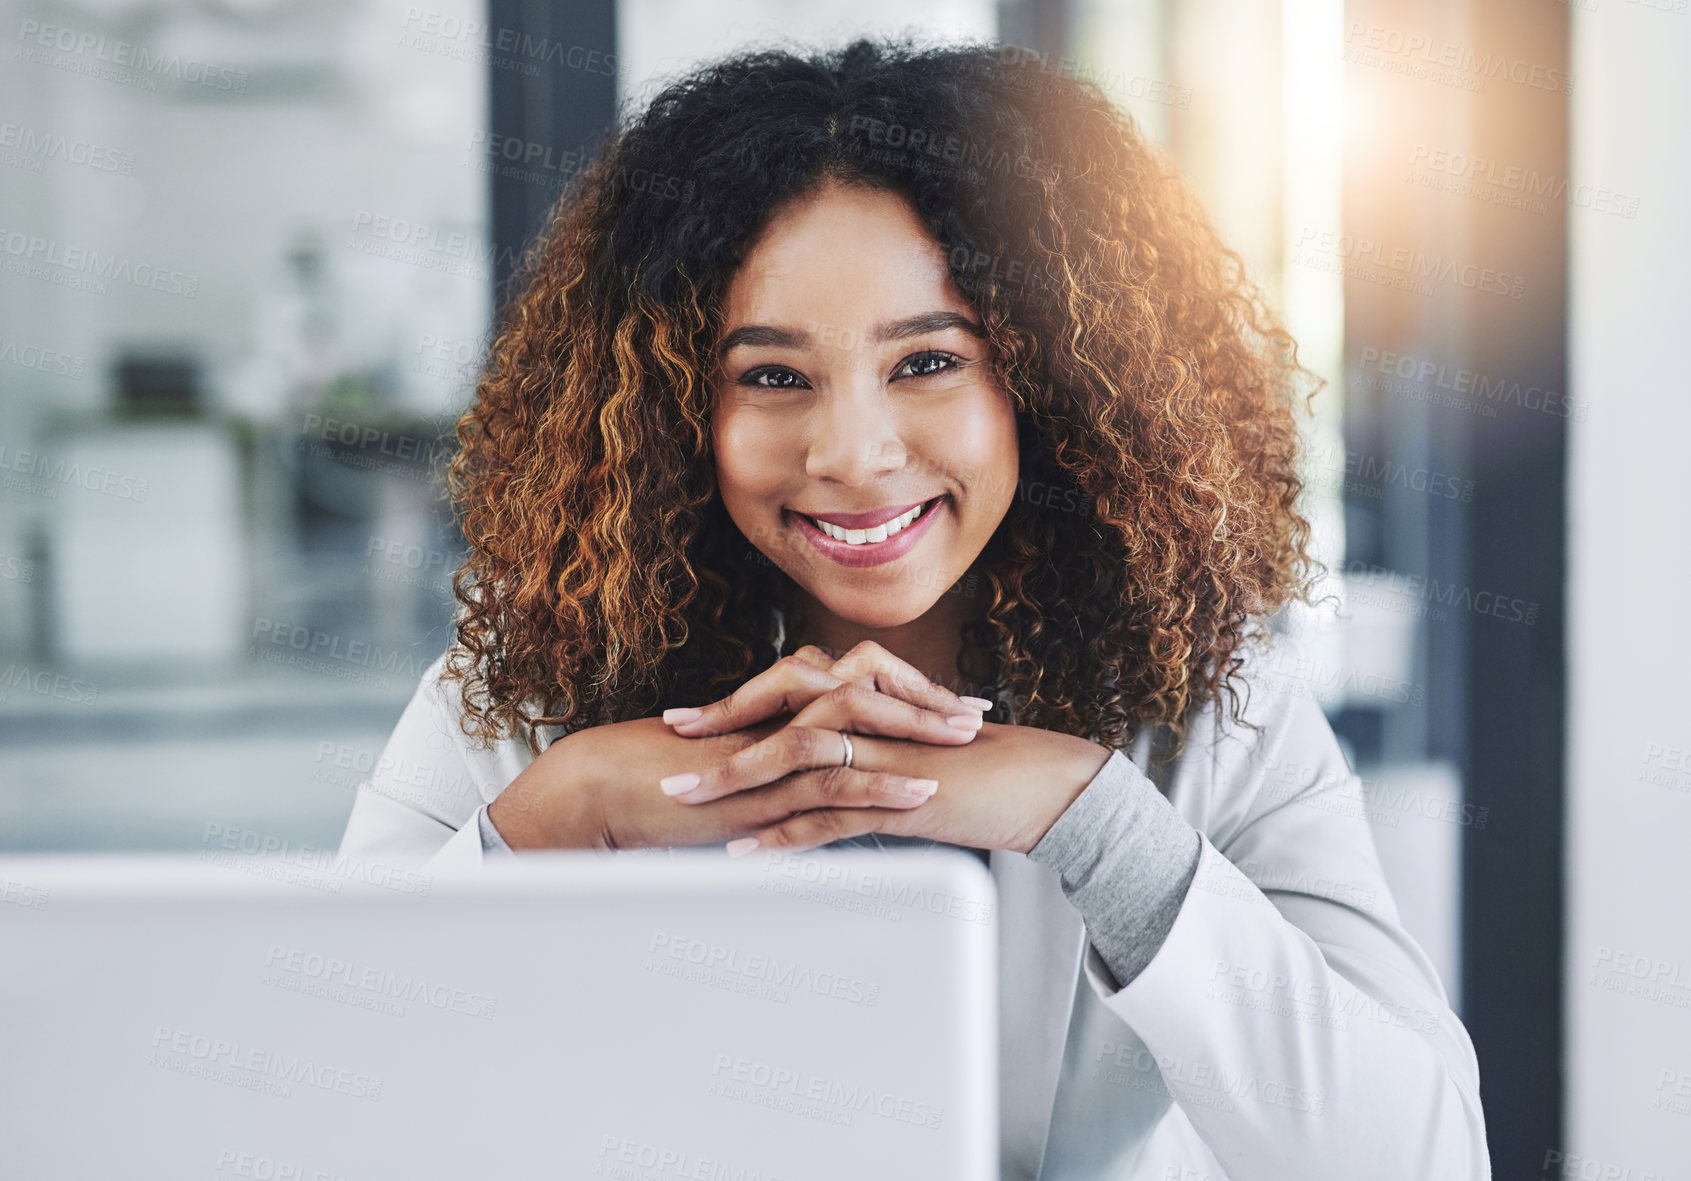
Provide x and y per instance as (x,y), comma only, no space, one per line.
(250,253)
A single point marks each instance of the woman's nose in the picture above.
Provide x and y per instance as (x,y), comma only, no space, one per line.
(856,435)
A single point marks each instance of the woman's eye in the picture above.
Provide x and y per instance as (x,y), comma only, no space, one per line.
(928,364)
(779,379)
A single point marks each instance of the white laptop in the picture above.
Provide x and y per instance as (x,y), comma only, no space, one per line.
(784,1017)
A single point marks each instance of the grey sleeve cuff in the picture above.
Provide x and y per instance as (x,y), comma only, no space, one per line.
(1126,859)
(491,842)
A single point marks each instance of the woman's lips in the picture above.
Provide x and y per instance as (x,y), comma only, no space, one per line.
(871,553)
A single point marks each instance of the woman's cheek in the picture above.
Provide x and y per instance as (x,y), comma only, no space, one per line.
(746,454)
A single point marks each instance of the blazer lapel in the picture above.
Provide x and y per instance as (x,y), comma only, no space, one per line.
(1041,939)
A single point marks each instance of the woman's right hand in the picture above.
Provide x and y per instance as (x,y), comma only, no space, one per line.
(597,788)
(866,691)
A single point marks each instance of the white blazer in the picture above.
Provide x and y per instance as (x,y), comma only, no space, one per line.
(1288,1029)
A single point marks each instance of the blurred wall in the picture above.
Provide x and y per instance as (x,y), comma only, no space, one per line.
(1628,963)
(659,39)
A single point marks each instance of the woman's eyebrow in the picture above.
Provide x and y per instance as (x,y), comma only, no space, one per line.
(769,336)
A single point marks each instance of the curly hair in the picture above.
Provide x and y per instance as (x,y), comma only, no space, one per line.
(1152,387)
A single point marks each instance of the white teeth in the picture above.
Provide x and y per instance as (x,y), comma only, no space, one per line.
(869,536)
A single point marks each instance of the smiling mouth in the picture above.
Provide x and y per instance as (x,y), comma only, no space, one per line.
(878,533)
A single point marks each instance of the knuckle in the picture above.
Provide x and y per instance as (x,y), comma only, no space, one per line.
(829,824)
(778,837)
(730,705)
(745,760)
(736,741)
(851,693)
(834,783)
(867,648)
(811,743)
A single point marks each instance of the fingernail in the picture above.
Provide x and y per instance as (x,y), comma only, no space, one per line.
(979,703)
(966,721)
(674,785)
(677,717)
(741,847)
(918,789)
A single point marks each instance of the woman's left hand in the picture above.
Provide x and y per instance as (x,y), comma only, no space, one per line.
(1003,790)
(868,690)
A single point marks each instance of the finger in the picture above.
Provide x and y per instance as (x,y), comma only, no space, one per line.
(765,807)
(812,830)
(811,654)
(899,678)
(843,787)
(786,686)
(861,710)
(791,748)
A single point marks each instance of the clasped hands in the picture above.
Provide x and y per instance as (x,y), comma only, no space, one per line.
(765,765)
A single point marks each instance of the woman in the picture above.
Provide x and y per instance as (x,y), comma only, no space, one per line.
(927,376)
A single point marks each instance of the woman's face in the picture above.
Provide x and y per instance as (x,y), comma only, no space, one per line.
(853,388)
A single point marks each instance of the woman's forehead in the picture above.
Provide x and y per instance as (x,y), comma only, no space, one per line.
(845,253)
